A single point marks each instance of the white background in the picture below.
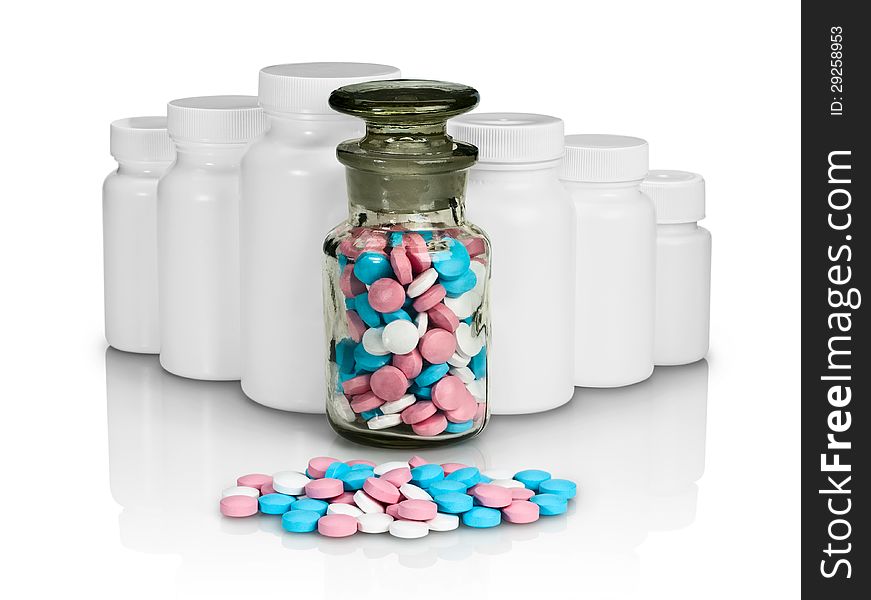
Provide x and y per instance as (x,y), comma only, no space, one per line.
(129,510)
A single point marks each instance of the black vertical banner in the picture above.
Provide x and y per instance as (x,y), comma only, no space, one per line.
(836,368)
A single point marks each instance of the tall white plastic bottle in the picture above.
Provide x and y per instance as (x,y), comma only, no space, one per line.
(144,151)
(293,192)
(683,267)
(514,194)
(198,235)
(616,259)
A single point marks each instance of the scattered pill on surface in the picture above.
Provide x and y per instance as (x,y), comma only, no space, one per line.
(240,490)
(238,506)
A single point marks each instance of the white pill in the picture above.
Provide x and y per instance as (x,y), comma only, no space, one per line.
(422,283)
(480,272)
(384,422)
(459,359)
(478,389)
(366,503)
(467,341)
(464,373)
(397,406)
(408,530)
(373,341)
(290,482)
(507,483)
(498,473)
(241,490)
(389,466)
(422,321)
(464,305)
(374,522)
(443,522)
(412,492)
(398,337)
(342,408)
(338,508)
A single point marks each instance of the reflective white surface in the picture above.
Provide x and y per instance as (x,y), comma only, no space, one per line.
(636,453)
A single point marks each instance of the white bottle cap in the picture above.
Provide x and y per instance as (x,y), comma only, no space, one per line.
(510,137)
(596,158)
(305,87)
(678,196)
(215,119)
(142,139)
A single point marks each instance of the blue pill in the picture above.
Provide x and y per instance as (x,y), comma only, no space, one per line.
(426,234)
(468,320)
(336,470)
(345,355)
(369,315)
(300,521)
(353,480)
(468,476)
(396,238)
(371,414)
(370,267)
(397,315)
(459,286)
(275,504)
(343,261)
(447,485)
(452,262)
(558,487)
(362,467)
(459,427)
(349,304)
(532,478)
(550,504)
(431,374)
(478,364)
(422,392)
(481,517)
(369,362)
(426,475)
(310,505)
(453,503)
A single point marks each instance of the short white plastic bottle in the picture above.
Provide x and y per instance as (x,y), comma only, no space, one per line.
(293,192)
(514,194)
(616,259)
(198,235)
(144,151)
(683,267)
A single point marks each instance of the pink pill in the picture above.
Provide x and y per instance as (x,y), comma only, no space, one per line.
(429,298)
(360,461)
(471,490)
(356,326)
(398,477)
(418,254)
(434,425)
(443,317)
(480,413)
(401,265)
(465,411)
(521,493)
(416,461)
(474,246)
(392,510)
(410,364)
(350,285)
(417,412)
(324,488)
(365,401)
(437,345)
(386,295)
(255,480)
(350,249)
(337,525)
(267,489)
(238,506)
(417,510)
(492,496)
(357,385)
(520,511)
(317,466)
(373,241)
(343,498)
(449,468)
(381,490)
(449,392)
(389,383)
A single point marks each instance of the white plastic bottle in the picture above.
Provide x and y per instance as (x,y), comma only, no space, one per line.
(514,194)
(683,267)
(615,259)
(198,235)
(144,151)
(293,192)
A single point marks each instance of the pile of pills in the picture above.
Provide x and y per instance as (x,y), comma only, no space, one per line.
(406,499)
(414,358)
